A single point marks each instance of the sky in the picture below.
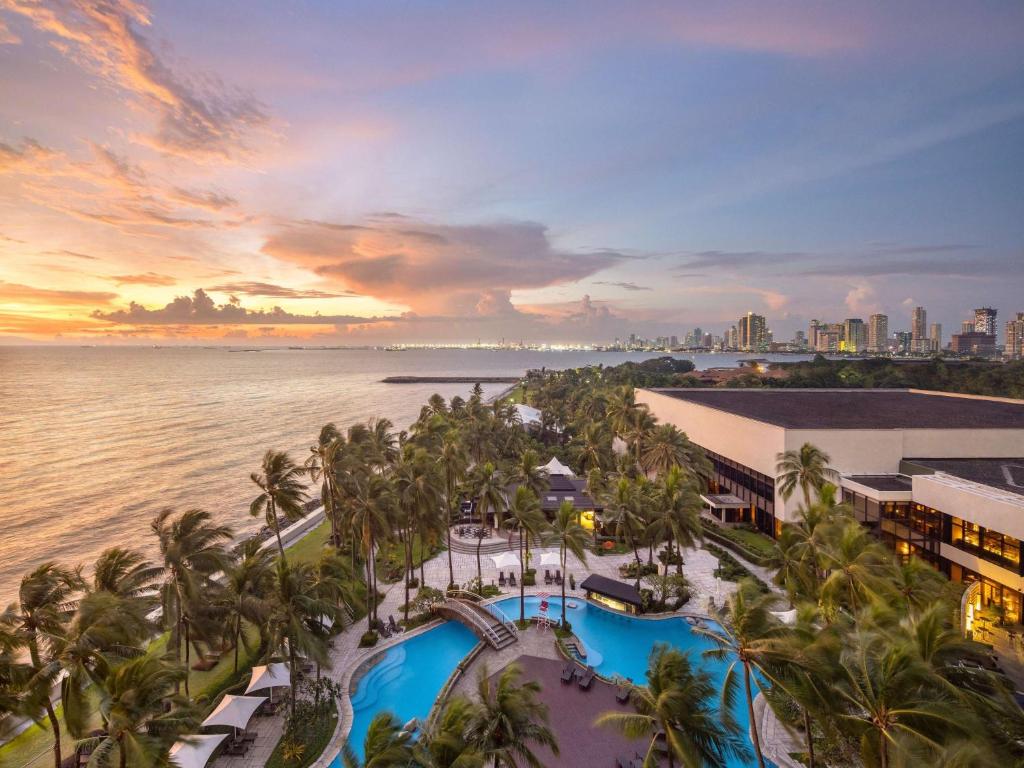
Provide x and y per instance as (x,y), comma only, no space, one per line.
(358,173)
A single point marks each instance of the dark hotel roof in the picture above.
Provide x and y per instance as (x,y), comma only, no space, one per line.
(1007,474)
(883,482)
(857,408)
(724,501)
(611,588)
(563,488)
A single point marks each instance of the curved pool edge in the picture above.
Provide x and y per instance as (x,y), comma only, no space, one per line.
(345,711)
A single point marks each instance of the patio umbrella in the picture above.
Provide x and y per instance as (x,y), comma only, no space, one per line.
(505,560)
(550,558)
(235,711)
(195,751)
(270,676)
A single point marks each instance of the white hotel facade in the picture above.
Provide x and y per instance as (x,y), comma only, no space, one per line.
(936,475)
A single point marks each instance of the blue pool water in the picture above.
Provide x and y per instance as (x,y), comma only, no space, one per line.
(407,679)
(620,645)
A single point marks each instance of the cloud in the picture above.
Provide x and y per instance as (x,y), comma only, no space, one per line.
(198,118)
(861,300)
(277,291)
(214,201)
(72,254)
(6,36)
(434,268)
(149,278)
(200,309)
(624,286)
(16,293)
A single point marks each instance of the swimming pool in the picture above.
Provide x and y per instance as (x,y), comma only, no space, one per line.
(617,644)
(407,679)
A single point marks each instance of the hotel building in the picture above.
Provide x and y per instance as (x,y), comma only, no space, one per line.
(936,475)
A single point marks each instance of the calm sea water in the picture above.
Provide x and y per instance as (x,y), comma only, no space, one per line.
(98,440)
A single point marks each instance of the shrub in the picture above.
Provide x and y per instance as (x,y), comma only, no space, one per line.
(427,597)
(414,582)
(730,569)
(629,569)
(309,728)
(368,639)
(530,577)
(416,620)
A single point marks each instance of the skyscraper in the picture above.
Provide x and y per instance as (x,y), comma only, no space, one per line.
(855,335)
(1015,337)
(967,326)
(985,321)
(935,337)
(878,333)
(812,334)
(751,336)
(919,330)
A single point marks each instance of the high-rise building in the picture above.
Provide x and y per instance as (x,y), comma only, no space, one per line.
(799,340)
(974,344)
(985,321)
(903,342)
(732,340)
(831,337)
(919,330)
(1015,337)
(674,341)
(707,340)
(855,335)
(935,337)
(967,326)
(751,333)
(812,334)
(878,333)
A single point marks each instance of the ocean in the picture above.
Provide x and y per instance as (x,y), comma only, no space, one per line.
(98,440)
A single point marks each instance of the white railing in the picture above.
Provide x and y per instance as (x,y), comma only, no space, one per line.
(474,598)
(474,618)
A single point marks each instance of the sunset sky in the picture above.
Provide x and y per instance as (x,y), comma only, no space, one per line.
(349,173)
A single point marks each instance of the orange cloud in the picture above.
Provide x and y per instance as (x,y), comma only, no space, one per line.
(16,293)
(434,268)
(149,278)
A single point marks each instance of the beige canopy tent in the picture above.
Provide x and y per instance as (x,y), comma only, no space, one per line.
(234,711)
(195,751)
(505,560)
(550,558)
(269,676)
(555,467)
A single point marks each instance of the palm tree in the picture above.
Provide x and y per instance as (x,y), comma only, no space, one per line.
(488,486)
(133,580)
(571,537)
(638,431)
(677,507)
(807,469)
(453,461)
(387,745)
(373,502)
(40,618)
(620,408)
(14,672)
(677,704)
(320,464)
(443,744)
(418,491)
(191,551)
(594,445)
(666,447)
(891,693)
(280,490)
(247,583)
(524,517)
(137,723)
(509,720)
(622,513)
(527,471)
(749,636)
(856,564)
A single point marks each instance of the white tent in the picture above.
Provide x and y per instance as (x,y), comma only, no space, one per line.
(550,558)
(235,711)
(786,617)
(195,751)
(272,676)
(555,467)
(505,560)
(528,415)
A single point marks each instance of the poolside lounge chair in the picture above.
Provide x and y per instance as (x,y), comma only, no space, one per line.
(586,678)
(568,672)
(501,579)
(558,577)
(394,626)
(512,580)
(547,577)
(236,748)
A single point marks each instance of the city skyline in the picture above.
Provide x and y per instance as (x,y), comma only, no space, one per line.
(340,175)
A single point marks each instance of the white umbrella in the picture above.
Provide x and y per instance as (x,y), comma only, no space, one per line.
(235,711)
(505,560)
(550,558)
(196,750)
(272,676)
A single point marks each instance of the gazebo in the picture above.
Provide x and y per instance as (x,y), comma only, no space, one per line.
(614,594)
(555,467)
(195,751)
(725,507)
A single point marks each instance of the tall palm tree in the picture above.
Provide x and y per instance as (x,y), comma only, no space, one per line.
(418,491)
(666,447)
(509,720)
(373,501)
(891,693)
(138,726)
(487,485)
(678,705)
(386,745)
(748,636)
(622,513)
(247,583)
(133,580)
(857,565)
(621,405)
(524,517)
(638,431)
(15,673)
(443,743)
(807,469)
(571,537)
(320,465)
(676,508)
(40,619)
(281,490)
(191,550)
(527,471)
(594,446)
(453,461)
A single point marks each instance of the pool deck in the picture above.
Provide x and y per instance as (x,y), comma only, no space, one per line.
(347,656)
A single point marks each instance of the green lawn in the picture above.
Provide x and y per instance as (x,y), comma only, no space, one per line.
(752,540)
(38,738)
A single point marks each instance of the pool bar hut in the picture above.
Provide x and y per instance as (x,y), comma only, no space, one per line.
(611,593)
